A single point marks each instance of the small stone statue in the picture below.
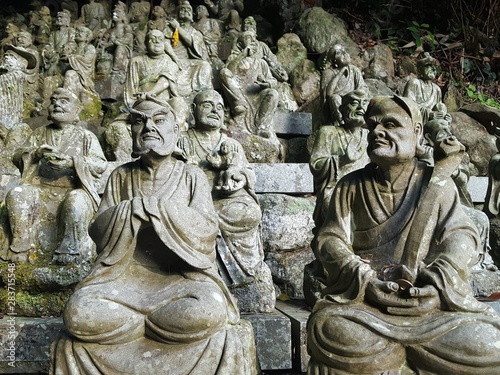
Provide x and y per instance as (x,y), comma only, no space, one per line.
(212,33)
(40,25)
(170,7)
(338,150)
(239,245)
(396,248)
(338,77)
(228,11)
(59,166)
(114,48)
(61,43)
(154,302)
(248,85)
(138,16)
(191,51)
(93,15)
(230,162)
(422,90)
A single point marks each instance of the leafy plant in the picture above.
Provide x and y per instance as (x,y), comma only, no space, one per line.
(476,96)
(421,34)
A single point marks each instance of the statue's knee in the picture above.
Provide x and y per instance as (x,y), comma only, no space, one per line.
(78,201)
(20,194)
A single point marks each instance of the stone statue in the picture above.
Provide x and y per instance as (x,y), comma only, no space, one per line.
(170,7)
(11,31)
(492,199)
(59,166)
(338,77)
(61,43)
(79,74)
(338,150)
(13,132)
(196,73)
(153,74)
(115,46)
(230,161)
(40,24)
(239,245)
(396,248)
(158,20)
(422,90)
(154,301)
(211,30)
(436,131)
(23,46)
(228,11)
(93,15)
(248,86)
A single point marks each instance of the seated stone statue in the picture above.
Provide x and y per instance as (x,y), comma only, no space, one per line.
(152,74)
(93,15)
(422,90)
(338,77)
(248,85)
(436,131)
(338,150)
(239,246)
(59,165)
(114,48)
(191,51)
(396,248)
(154,302)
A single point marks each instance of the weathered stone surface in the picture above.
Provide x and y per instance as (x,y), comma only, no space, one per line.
(292,123)
(291,52)
(287,268)
(488,116)
(305,80)
(296,150)
(319,29)
(272,339)
(479,144)
(380,63)
(283,178)
(378,87)
(477,187)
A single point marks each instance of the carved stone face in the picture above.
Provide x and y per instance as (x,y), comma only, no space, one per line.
(63,19)
(342,57)
(393,136)
(185,13)
(156,42)
(64,107)
(353,111)
(153,129)
(437,130)
(208,110)
(429,72)
(24,39)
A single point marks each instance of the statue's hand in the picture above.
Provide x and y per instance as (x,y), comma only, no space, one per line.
(174,24)
(42,150)
(426,298)
(58,161)
(385,294)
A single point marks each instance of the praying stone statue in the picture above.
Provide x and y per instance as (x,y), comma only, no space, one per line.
(239,244)
(339,150)
(191,51)
(422,90)
(114,48)
(396,248)
(338,77)
(154,301)
(50,212)
(138,16)
(79,72)
(248,85)
(40,24)
(436,131)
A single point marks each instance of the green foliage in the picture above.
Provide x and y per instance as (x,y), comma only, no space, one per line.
(422,35)
(478,97)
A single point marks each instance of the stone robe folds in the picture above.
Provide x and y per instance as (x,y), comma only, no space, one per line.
(127,315)
(360,236)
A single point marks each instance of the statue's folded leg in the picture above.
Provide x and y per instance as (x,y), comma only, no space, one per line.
(198,311)
(470,348)
(341,343)
(92,317)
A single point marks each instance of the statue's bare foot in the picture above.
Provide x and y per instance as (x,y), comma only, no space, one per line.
(265,133)
(64,259)
(239,109)
(19,258)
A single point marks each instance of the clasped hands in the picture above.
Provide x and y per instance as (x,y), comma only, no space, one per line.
(414,301)
(55,159)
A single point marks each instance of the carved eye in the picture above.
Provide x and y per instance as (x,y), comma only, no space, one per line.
(389,125)
(219,107)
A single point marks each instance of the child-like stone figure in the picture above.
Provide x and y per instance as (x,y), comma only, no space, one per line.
(230,161)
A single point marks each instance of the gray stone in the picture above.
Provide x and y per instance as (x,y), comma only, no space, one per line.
(378,87)
(298,313)
(283,178)
(488,116)
(31,341)
(479,144)
(305,80)
(293,123)
(477,187)
(380,63)
(272,339)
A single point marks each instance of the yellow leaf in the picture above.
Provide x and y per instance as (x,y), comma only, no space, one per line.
(175,38)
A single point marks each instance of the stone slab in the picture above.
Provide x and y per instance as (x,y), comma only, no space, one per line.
(287,178)
(272,339)
(292,123)
(298,313)
(28,340)
(477,187)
